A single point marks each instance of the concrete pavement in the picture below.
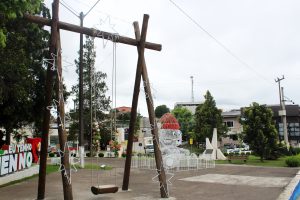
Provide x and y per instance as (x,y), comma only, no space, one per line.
(226,182)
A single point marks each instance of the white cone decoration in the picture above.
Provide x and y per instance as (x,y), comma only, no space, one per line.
(214,140)
(212,151)
(208,144)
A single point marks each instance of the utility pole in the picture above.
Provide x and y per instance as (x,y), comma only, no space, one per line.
(81,124)
(81,129)
(192,79)
(285,135)
(282,112)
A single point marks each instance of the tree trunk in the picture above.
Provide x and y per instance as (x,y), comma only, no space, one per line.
(8,134)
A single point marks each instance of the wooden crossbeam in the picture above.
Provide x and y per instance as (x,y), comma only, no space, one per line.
(91,32)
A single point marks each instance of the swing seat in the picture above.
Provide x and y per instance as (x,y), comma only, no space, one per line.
(103,189)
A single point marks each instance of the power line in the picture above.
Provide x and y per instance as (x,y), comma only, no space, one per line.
(218,42)
(64,4)
(92,8)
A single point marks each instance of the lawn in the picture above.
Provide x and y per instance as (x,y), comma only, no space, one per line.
(254,160)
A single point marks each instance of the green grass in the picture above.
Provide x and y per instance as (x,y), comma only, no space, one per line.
(49,169)
(95,166)
(255,161)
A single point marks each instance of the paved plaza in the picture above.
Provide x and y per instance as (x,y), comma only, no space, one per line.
(226,182)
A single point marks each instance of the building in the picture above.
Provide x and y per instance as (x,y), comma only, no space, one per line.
(231,120)
(293,122)
(191,106)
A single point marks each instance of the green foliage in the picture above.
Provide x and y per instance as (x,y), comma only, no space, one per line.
(185,120)
(259,131)
(208,117)
(295,150)
(51,154)
(101,155)
(22,74)
(10,10)
(292,161)
(161,110)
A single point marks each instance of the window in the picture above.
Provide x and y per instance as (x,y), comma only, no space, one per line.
(229,124)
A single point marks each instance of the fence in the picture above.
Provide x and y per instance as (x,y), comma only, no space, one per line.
(183,164)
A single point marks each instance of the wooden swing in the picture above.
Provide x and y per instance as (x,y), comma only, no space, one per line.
(104,189)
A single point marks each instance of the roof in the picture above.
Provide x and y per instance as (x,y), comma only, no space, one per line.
(231,113)
(123,109)
(291,110)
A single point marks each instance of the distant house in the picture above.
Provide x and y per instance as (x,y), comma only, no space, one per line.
(191,106)
(123,109)
(231,120)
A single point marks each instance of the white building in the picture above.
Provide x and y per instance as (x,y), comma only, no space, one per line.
(191,106)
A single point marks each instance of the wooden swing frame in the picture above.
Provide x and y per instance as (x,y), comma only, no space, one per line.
(141,71)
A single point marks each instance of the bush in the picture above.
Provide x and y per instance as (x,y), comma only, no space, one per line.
(243,153)
(292,161)
(101,155)
(123,155)
(248,153)
(51,155)
(225,154)
(139,154)
(294,150)
(231,154)
(88,154)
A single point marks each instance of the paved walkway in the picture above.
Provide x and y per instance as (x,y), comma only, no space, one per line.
(226,182)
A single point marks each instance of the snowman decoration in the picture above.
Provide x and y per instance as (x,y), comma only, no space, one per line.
(170,137)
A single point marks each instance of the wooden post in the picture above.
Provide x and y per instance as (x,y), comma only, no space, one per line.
(91,32)
(48,98)
(135,99)
(157,153)
(62,135)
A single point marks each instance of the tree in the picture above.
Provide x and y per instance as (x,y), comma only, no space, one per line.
(22,76)
(161,110)
(208,117)
(185,120)
(259,130)
(100,103)
(10,10)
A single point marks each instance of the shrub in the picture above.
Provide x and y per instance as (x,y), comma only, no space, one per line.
(88,154)
(292,161)
(248,153)
(243,153)
(236,153)
(51,155)
(225,154)
(123,155)
(101,155)
(231,154)
(295,150)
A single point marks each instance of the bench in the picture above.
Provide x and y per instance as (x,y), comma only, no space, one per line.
(237,157)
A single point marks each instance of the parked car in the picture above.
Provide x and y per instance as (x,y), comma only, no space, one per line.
(149,149)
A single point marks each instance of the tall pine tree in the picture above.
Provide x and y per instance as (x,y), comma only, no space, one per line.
(100,103)
(208,117)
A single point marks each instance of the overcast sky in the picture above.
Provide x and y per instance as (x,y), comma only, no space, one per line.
(233,48)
